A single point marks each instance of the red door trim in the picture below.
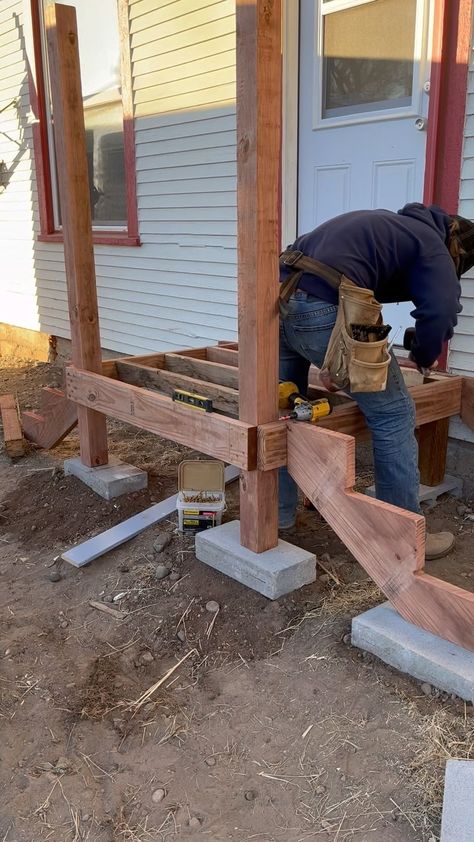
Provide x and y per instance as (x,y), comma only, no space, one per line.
(446,117)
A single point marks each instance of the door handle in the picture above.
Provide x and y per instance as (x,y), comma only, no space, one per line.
(420,124)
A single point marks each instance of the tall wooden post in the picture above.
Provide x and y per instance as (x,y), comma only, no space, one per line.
(258,204)
(71,160)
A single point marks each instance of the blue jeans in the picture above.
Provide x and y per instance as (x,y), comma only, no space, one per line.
(390,415)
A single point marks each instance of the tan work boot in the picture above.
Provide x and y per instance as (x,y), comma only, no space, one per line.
(438,544)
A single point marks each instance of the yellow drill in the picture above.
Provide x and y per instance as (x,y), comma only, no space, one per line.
(302,408)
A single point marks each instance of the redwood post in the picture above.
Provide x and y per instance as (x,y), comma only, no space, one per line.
(73,179)
(258,204)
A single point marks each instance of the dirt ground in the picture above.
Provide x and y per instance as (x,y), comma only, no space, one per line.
(269,725)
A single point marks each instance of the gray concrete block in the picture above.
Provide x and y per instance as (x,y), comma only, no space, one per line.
(414,651)
(272,573)
(430,493)
(457,824)
(110,480)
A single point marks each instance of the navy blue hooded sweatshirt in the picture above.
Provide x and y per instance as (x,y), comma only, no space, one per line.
(401,257)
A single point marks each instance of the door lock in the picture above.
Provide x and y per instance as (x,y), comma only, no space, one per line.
(420,124)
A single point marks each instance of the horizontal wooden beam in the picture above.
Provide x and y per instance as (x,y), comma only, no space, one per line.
(433,401)
(202,369)
(223,399)
(225,438)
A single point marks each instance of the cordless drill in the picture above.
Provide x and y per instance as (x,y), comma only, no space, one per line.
(302,409)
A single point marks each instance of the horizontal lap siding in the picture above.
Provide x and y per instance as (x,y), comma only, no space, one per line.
(461,356)
(179,288)
(18,200)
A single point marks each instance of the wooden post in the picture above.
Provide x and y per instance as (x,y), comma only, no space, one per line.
(258,200)
(432,450)
(71,159)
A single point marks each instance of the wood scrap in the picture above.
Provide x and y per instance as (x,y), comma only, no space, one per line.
(12,432)
(114,612)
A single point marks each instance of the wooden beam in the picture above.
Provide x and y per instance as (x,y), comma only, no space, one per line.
(73,180)
(258,209)
(225,438)
(12,433)
(432,451)
(387,541)
(227,356)
(467,401)
(223,399)
(433,402)
(202,369)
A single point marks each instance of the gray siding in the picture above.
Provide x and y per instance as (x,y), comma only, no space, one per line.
(179,288)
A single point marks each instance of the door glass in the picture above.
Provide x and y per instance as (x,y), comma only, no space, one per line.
(368,57)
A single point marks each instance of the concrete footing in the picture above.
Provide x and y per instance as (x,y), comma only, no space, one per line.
(430,493)
(110,480)
(414,651)
(272,573)
(458,805)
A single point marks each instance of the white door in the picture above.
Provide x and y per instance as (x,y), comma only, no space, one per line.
(363,105)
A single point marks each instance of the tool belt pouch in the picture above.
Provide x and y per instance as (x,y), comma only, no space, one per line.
(357,366)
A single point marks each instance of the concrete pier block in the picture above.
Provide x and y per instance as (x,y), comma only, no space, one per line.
(414,651)
(457,824)
(110,480)
(430,493)
(272,573)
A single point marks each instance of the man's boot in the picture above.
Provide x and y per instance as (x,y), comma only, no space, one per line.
(438,544)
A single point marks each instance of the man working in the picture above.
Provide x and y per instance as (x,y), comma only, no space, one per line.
(418,255)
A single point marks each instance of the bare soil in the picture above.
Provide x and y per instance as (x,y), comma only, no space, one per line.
(273,728)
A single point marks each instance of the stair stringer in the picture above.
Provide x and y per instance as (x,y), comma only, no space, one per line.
(56,418)
(387,541)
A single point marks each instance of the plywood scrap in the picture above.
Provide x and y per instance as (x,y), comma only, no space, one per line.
(12,433)
(387,541)
(55,419)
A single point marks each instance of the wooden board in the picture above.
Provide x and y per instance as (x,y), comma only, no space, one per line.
(258,241)
(56,418)
(225,438)
(388,542)
(12,433)
(202,369)
(432,451)
(433,401)
(467,401)
(223,399)
(73,181)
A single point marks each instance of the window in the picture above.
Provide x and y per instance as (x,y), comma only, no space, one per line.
(106,84)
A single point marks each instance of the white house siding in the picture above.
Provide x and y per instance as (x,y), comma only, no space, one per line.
(179,288)
(18,201)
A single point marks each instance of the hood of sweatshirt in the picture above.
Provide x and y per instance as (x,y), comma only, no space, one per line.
(433,216)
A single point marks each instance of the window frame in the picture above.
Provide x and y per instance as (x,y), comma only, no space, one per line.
(49,233)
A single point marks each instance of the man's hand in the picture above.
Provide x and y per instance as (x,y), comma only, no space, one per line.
(328,384)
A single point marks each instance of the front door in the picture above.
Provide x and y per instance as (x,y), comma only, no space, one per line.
(363,105)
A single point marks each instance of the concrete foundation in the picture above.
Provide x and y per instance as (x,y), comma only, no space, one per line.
(430,493)
(110,480)
(412,650)
(272,573)
(458,804)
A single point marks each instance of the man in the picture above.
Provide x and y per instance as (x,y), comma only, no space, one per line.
(418,255)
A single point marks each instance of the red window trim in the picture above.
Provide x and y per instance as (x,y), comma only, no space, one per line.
(49,233)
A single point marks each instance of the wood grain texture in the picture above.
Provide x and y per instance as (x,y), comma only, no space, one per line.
(203,370)
(55,419)
(12,433)
(432,451)
(225,438)
(467,401)
(223,399)
(73,182)
(433,401)
(258,207)
(387,541)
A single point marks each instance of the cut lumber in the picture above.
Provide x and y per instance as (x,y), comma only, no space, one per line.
(229,439)
(223,399)
(432,451)
(387,541)
(467,401)
(55,419)
(110,539)
(200,369)
(73,181)
(12,434)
